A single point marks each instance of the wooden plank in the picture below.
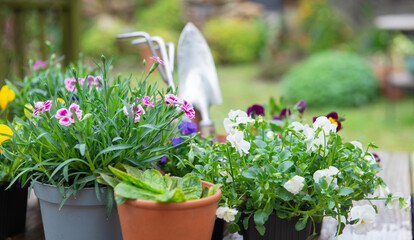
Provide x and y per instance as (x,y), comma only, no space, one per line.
(34,4)
(389,224)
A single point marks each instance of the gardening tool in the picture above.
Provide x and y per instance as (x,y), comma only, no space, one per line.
(198,81)
(143,37)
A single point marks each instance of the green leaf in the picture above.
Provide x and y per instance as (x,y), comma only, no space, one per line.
(233,228)
(260,143)
(176,195)
(284,166)
(246,222)
(191,186)
(133,171)
(345,191)
(260,217)
(129,191)
(114,148)
(284,155)
(251,172)
(110,180)
(170,182)
(132,180)
(81,148)
(284,194)
(155,179)
(213,189)
(261,229)
(301,224)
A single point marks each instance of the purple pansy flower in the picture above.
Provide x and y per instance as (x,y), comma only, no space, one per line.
(187,128)
(283,114)
(255,110)
(301,105)
(163,160)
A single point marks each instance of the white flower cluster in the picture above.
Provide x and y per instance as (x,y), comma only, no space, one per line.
(236,137)
(327,174)
(314,139)
(295,184)
(367,156)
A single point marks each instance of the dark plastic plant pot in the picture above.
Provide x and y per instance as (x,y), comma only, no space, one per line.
(276,229)
(218,229)
(80,218)
(13,204)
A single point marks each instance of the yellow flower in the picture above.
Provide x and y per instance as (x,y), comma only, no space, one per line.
(60,100)
(6,95)
(28,107)
(4,129)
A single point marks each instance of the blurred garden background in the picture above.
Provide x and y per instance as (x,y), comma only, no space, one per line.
(330,53)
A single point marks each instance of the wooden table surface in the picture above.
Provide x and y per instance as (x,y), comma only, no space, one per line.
(389,225)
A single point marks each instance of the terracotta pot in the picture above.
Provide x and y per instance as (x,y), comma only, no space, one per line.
(152,220)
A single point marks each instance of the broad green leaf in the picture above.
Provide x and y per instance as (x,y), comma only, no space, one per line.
(284,166)
(233,228)
(109,180)
(129,191)
(134,181)
(176,195)
(191,186)
(345,191)
(260,217)
(133,171)
(81,148)
(284,194)
(301,224)
(213,189)
(251,172)
(155,179)
(261,229)
(170,182)
(260,143)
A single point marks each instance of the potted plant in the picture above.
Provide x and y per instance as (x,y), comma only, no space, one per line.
(280,176)
(146,200)
(98,123)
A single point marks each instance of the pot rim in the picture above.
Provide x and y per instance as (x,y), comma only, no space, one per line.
(48,185)
(149,204)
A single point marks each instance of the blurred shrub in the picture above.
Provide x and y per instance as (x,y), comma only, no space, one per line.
(100,37)
(331,79)
(321,26)
(165,14)
(235,41)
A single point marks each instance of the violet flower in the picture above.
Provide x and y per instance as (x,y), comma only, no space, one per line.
(176,141)
(39,64)
(255,110)
(301,106)
(283,114)
(334,118)
(187,128)
(163,160)
(157,59)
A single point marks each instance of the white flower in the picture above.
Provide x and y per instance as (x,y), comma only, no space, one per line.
(357,145)
(295,184)
(395,202)
(226,213)
(381,191)
(237,141)
(366,216)
(370,158)
(327,174)
(235,119)
(297,126)
(326,125)
(270,135)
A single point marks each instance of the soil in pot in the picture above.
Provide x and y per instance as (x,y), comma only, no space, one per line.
(13,204)
(151,220)
(277,229)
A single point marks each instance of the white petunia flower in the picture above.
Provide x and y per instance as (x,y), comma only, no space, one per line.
(297,126)
(381,191)
(295,184)
(228,126)
(327,174)
(235,119)
(237,141)
(326,125)
(226,213)
(366,216)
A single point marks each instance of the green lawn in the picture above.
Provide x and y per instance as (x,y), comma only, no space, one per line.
(390,124)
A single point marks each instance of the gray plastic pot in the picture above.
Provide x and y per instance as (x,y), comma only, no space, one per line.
(80,218)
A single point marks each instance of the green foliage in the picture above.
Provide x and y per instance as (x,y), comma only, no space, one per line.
(164,14)
(322,26)
(72,156)
(235,41)
(331,79)
(131,183)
